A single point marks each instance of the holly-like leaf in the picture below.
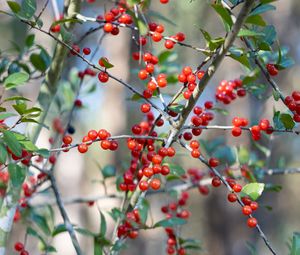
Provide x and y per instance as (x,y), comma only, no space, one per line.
(143,210)
(225,16)
(175,169)
(103,225)
(15,79)
(14,6)
(253,190)
(28,8)
(287,120)
(3,154)
(17,175)
(175,221)
(106,64)
(12,143)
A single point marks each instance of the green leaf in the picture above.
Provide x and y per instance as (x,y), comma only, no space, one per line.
(62,228)
(249,33)
(221,111)
(14,6)
(15,79)
(262,8)
(30,40)
(108,171)
(296,244)
(287,120)
(16,98)
(276,95)
(175,169)
(103,225)
(6,115)
(17,175)
(143,28)
(98,249)
(28,8)
(176,108)
(243,155)
(38,62)
(12,143)
(256,20)
(253,190)
(143,210)
(41,222)
(106,64)
(170,222)
(3,153)
(225,15)
(44,153)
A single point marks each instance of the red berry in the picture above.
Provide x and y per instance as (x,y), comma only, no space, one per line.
(252,222)
(246,210)
(271,68)
(232,197)
(246,200)
(155,184)
(145,108)
(103,77)
(143,74)
(67,139)
(92,134)
(86,51)
(19,246)
(216,182)
(195,153)
(213,162)
(237,188)
(143,185)
(236,131)
(82,148)
(296,95)
(254,205)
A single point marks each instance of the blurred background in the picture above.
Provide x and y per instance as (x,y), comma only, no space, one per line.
(220,227)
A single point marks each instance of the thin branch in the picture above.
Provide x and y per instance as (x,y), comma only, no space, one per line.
(64,215)
(217,127)
(110,139)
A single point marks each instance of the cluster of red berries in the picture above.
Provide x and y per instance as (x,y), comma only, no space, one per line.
(227,91)
(113,18)
(102,135)
(151,158)
(293,103)
(175,209)
(161,79)
(263,125)
(130,226)
(19,247)
(201,117)
(272,69)
(189,79)
(56,28)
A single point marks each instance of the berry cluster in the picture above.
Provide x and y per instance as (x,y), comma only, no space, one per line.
(263,125)
(151,158)
(293,103)
(130,226)
(227,91)
(175,209)
(189,79)
(19,247)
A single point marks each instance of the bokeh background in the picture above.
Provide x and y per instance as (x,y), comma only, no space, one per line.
(219,226)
